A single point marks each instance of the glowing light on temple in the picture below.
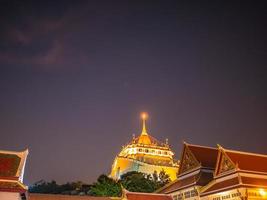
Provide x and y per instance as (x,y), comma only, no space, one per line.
(144,117)
(262,192)
(145,154)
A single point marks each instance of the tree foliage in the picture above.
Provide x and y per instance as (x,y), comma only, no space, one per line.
(140,182)
(137,182)
(105,186)
(52,187)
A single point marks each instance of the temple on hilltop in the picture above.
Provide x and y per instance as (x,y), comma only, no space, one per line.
(145,154)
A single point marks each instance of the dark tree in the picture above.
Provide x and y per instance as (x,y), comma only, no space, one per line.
(105,186)
(140,182)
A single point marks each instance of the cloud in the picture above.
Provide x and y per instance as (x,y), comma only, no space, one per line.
(53,55)
(38,44)
(44,41)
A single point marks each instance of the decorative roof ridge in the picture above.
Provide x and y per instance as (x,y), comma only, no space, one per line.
(251,172)
(253,185)
(245,153)
(201,146)
(26,151)
(8,180)
(15,178)
(14,181)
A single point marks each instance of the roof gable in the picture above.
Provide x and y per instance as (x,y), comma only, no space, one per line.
(199,179)
(206,156)
(248,161)
(12,164)
(9,165)
(224,163)
(194,156)
(244,161)
(188,160)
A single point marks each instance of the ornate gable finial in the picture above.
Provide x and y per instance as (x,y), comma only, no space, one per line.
(123,192)
(236,166)
(144,117)
(220,147)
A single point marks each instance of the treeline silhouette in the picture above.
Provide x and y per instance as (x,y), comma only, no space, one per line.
(105,186)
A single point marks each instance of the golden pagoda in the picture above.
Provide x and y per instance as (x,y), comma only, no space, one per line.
(145,154)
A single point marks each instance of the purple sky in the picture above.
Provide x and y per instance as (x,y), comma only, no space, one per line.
(74,77)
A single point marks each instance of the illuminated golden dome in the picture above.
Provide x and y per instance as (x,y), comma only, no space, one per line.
(144,138)
(145,154)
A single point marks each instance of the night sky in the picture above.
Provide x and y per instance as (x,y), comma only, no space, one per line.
(75,75)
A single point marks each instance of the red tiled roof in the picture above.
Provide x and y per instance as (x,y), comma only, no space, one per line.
(177,184)
(260,182)
(65,197)
(11,186)
(200,179)
(207,156)
(223,184)
(146,196)
(9,164)
(247,161)
(236,182)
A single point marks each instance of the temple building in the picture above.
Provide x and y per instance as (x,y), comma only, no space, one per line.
(12,166)
(238,176)
(219,174)
(145,154)
(197,165)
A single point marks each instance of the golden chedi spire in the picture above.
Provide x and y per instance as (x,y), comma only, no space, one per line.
(144,138)
(144,117)
(147,152)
